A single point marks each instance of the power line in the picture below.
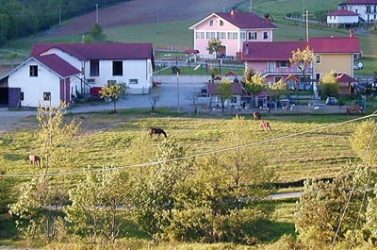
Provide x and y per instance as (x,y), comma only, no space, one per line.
(198,155)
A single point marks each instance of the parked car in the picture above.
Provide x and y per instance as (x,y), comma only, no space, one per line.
(331,101)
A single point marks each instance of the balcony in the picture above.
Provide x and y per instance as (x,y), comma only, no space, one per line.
(283,71)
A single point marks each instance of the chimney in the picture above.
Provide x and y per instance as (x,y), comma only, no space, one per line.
(247,49)
(351,33)
(232,13)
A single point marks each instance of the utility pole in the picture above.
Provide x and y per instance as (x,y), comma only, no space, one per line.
(96,13)
(307,25)
(251,6)
(178,108)
(60,14)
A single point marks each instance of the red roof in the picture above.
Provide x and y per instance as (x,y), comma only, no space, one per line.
(100,51)
(342,12)
(335,44)
(292,78)
(359,2)
(231,73)
(236,89)
(345,78)
(282,51)
(267,51)
(246,20)
(58,65)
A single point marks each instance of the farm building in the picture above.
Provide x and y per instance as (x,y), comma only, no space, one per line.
(86,68)
(232,29)
(367,9)
(342,17)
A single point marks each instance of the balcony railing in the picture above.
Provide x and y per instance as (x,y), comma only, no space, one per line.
(283,71)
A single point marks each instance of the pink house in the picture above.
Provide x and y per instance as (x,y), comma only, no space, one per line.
(232,29)
(271,59)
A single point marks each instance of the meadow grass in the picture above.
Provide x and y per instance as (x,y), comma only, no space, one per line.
(107,140)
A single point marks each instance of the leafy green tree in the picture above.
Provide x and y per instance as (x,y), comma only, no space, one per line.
(275,90)
(54,136)
(364,142)
(95,35)
(322,204)
(213,46)
(225,92)
(329,85)
(33,217)
(113,92)
(156,191)
(96,202)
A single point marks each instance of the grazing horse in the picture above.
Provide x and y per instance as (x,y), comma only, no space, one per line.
(256,115)
(35,160)
(265,126)
(157,131)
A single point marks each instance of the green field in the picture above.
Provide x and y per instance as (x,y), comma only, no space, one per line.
(107,140)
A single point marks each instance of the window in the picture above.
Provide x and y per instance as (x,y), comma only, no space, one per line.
(318,59)
(221,22)
(252,35)
(243,35)
(221,35)
(94,67)
(200,35)
(368,9)
(283,64)
(133,81)
(117,68)
(211,23)
(232,35)
(356,10)
(318,76)
(210,35)
(22,96)
(33,70)
(265,35)
(46,96)
(234,99)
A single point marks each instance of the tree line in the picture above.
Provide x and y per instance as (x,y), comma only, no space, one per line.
(19,18)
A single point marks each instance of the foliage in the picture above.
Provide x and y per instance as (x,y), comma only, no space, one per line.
(255,84)
(278,88)
(214,73)
(224,89)
(54,136)
(364,142)
(113,92)
(33,218)
(22,18)
(156,191)
(214,45)
(95,35)
(322,204)
(153,100)
(302,58)
(329,85)
(95,204)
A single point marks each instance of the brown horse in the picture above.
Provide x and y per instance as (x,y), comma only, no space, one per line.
(256,115)
(265,126)
(35,160)
(157,131)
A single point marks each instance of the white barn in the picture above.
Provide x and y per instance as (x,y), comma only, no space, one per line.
(367,9)
(58,72)
(342,17)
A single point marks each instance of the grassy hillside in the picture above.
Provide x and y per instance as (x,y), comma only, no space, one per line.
(107,139)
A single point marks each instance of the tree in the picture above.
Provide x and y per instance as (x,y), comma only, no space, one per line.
(156,191)
(33,218)
(277,89)
(54,136)
(95,35)
(364,142)
(113,91)
(213,46)
(225,91)
(254,84)
(303,59)
(193,97)
(329,85)
(96,202)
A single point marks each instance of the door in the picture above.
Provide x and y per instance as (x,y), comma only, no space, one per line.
(14,97)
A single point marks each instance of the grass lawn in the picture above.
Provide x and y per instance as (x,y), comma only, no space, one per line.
(107,140)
